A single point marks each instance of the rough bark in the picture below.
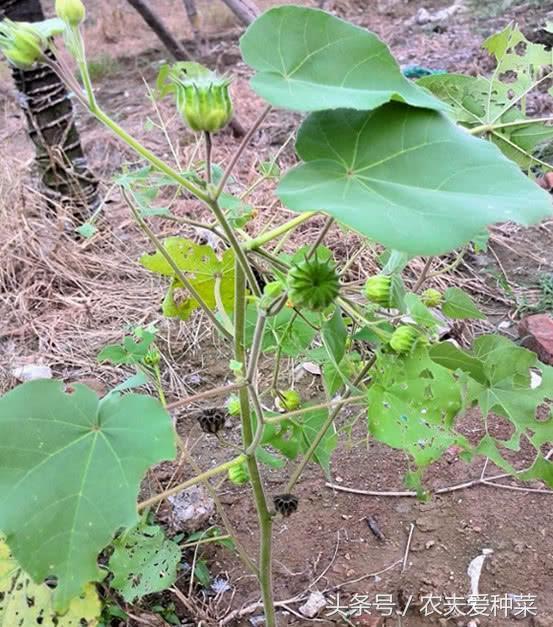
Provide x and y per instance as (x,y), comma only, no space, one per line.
(51,125)
(245,10)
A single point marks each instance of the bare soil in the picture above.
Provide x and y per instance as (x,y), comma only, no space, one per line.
(63,300)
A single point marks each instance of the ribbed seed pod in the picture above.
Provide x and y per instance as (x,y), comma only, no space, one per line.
(313,284)
(238,474)
(403,339)
(71,11)
(378,289)
(212,420)
(204,101)
(431,297)
(285,504)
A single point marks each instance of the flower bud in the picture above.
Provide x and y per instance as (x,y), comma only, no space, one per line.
(431,297)
(378,289)
(203,98)
(289,400)
(21,43)
(403,339)
(71,11)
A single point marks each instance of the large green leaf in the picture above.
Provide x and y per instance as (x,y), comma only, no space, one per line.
(308,60)
(408,178)
(70,471)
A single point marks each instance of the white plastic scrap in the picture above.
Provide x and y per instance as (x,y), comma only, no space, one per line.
(475,570)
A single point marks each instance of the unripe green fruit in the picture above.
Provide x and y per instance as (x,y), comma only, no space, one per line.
(20,43)
(403,339)
(72,12)
(205,102)
(289,400)
(313,284)
(152,358)
(378,289)
(432,298)
(233,405)
(238,474)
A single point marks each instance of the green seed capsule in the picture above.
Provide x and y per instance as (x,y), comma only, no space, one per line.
(20,43)
(71,11)
(289,400)
(403,339)
(378,289)
(202,97)
(432,298)
(238,474)
(313,284)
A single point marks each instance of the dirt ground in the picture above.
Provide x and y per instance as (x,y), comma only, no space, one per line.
(61,301)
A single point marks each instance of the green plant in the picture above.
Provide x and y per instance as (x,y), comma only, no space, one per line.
(402,165)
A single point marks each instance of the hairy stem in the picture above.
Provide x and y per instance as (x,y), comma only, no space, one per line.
(212,472)
(263,514)
(240,150)
(275,233)
(208,147)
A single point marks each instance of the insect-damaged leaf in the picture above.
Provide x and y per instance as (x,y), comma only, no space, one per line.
(70,470)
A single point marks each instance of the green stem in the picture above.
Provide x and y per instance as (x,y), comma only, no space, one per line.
(212,472)
(275,233)
(208,147)
(148,155)
(350,400)
(235,244)
(325,427)
(264,516)
(486,128)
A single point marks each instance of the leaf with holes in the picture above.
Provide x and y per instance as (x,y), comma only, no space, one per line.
(24,603)
(412,405)
(397,171)
(499,99)
(213,278)
(316,61)
(509,391)
(70,471)
(144,561)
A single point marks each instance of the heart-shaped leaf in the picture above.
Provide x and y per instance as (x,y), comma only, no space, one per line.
(408,178)
(70,470)
(308,60)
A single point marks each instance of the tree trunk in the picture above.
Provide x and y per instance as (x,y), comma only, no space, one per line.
(245,10)
(51,125)
(174,47)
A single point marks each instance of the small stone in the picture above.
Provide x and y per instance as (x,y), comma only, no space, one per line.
(426,523)
(192,508)
(314,604)
(430,544)
(536,333)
